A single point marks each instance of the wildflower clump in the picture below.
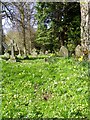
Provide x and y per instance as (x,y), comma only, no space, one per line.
(80,59)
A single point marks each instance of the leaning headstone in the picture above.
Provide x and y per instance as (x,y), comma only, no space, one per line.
(34,53)
(63,51)
(12,57)
(78,51)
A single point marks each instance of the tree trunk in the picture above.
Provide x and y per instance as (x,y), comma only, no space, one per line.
(30,39)
(89,30)
(85,29)
(0,29)
(24,31)
(24,42)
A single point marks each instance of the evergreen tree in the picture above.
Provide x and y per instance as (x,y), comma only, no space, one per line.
(56,24)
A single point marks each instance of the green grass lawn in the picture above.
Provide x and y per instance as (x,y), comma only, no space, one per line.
(54,89)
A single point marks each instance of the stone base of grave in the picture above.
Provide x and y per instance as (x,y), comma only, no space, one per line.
(19,55)
(26,57)
(12,59)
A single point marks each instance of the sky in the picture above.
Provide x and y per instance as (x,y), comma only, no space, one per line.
(6,25)
(44,0)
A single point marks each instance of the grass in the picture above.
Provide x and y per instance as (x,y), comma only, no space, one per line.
(38,89)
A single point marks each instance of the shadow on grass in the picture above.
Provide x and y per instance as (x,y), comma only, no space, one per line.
(30,58)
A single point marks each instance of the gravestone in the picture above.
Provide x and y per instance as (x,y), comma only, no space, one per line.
(34,53)
(46,52)
(41,52)
(63,51)
(78,51)
(12,57)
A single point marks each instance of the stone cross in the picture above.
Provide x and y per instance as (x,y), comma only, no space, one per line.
(12,51)
(12,48)
(19,51)
(19,54)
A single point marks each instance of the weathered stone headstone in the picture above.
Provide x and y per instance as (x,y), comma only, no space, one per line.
(63,51)
(34,53)
(41,52)
(78,51)
(46,52)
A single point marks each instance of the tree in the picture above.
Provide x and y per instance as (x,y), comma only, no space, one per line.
(56,24)
(22,19)
(85,26)
(22,16)
(89,34)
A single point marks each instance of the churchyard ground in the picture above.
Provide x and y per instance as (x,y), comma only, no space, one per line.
(35,88)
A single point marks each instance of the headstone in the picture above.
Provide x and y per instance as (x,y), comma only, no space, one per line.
(46,52)
(78,51)
(63,51)
(12,58)
(34,53)
(41,52)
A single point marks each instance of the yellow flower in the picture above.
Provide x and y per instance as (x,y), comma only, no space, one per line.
(80,59)
(51,54)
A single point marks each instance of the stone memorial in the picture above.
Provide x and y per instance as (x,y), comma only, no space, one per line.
(12,57)
(46,52)
(78,51)
(34,53)
(41,52)
(63,51)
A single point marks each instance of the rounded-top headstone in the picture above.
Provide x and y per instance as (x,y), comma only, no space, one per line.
(63,51)
(78,51)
